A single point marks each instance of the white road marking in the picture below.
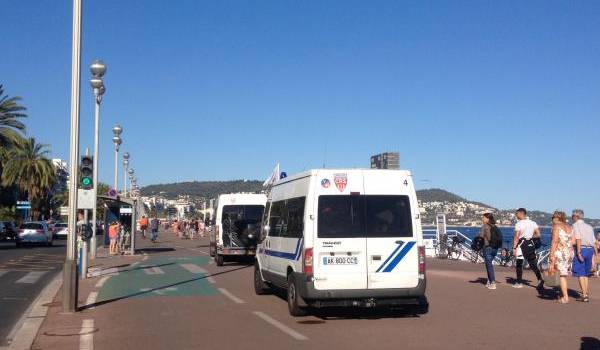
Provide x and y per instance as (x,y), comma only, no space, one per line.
(285,329)
(193,268)
(3,272)
(86,335)
(232,297)
(154,271)
(31,277)
(101,282)
(91,299)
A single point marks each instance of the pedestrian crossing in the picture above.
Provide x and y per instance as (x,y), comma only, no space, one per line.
(20,277)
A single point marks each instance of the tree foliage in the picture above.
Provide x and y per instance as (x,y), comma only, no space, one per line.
(28,167)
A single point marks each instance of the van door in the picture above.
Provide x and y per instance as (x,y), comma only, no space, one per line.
(288,247)
(391,234)
(339,249)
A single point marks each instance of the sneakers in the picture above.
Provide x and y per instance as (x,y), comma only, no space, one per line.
(540,286)
(518,285)
(491,286)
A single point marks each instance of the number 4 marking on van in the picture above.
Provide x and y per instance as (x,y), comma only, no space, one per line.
(405,182)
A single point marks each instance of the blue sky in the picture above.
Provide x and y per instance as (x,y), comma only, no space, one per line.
(496,101)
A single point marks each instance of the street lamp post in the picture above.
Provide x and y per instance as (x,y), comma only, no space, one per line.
(125,169)
(133,211)
(98,68)
(117,130)
(69,301)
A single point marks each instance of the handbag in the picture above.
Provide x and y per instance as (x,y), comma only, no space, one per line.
(551,280)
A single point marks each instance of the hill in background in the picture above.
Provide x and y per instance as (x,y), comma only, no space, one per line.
(201,189)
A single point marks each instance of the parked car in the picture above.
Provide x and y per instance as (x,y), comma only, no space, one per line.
(34,232)
(61,230)
(7,230)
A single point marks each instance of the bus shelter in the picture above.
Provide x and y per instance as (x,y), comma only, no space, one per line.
(124,211)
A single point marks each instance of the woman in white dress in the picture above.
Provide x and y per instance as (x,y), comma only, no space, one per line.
(561,253)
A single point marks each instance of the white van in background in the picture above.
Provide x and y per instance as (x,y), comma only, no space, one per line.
(344,237)
(237,225)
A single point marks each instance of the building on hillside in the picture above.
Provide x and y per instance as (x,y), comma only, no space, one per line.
(387,160)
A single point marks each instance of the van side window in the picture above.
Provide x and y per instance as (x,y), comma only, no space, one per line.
(277,220)
(388,216)
(295,217)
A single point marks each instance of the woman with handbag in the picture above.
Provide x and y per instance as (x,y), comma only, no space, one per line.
(561,253)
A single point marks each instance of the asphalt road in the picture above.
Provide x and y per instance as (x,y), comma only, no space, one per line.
(24,272)
(172,296)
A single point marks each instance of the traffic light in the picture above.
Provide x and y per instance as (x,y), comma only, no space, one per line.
(86,172)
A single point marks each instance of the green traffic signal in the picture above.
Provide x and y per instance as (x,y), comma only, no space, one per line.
(86,171)
(86,181)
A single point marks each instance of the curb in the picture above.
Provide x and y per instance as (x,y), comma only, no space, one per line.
(28,326)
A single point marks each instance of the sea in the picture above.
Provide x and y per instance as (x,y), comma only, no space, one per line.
(507,234)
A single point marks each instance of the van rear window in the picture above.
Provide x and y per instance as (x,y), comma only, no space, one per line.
(364,216)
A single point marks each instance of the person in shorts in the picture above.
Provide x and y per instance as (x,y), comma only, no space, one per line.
(524,247)
(585,250)
(113,234)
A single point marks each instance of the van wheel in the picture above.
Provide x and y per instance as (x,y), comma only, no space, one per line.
(420,309)
(219,259)
(260,287)
(292,299)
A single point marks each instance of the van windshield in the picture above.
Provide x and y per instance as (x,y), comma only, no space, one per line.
(239,216)
(364,216)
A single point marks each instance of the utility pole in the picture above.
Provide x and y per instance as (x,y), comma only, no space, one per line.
(70,266)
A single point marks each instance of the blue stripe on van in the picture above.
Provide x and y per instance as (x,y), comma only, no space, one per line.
(389,257)
(399,257)
(290,256)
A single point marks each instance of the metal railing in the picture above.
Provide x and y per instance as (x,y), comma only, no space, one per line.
(469,254)
(455,240)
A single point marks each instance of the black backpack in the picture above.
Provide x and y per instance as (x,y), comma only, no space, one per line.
(495,237)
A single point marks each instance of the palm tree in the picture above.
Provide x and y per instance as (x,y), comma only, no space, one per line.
(10,125)
(28,167)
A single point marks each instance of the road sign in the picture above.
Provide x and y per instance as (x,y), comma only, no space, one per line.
(85,199)
(23,205)
(112,193)
(64,211)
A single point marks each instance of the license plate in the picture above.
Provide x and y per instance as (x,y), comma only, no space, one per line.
(340,260)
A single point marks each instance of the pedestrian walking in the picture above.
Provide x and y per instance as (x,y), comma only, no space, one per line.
(492,240)
(524,247)
(144,225)
(586,248)
(154,224)
(561,252)
(113,234)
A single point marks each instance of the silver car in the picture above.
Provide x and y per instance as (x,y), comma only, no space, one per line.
(61,230)
(34,232)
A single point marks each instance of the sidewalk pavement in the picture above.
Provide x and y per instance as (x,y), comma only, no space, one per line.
(171,296)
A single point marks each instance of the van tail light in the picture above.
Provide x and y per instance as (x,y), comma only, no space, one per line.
(307,262)
(422,262)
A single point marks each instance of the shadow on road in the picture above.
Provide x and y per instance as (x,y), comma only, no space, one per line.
(155,250)
(343,313)
(590,343)
(99,303)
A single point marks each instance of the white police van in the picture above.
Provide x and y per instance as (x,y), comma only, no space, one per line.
(343,237)
(237,225)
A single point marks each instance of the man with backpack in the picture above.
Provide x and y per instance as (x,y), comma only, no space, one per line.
(492,241)
(526,231)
